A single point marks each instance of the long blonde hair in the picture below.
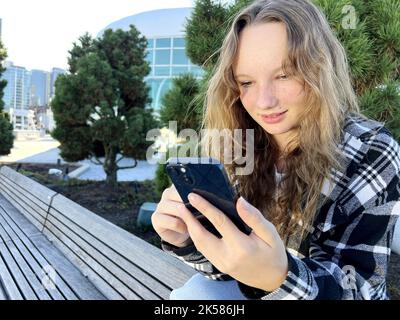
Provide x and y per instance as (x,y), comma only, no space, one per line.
(316,56)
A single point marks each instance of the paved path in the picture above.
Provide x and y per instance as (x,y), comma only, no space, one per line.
(46,150)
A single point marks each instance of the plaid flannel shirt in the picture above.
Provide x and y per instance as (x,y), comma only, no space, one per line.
(346,254)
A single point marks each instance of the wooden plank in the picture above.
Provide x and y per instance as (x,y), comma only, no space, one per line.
(34,218)
(34,213)
(19,219)
(39,191)
(17,275)
(25,264)
(3,235)
(24,194)
(88,272)
(80,286)
(132,276)
(50,256)
(25,247)
(3,294)
(167,269)
(9,287)
(103,279)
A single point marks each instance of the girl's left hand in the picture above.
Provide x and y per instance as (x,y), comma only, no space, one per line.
(258,259)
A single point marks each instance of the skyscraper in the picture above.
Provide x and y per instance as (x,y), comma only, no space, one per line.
(40,88)
(55,72)
(17,94)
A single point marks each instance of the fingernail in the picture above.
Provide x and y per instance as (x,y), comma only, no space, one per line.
(245,203)
(193,198)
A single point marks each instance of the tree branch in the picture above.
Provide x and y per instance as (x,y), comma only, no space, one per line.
(119,159)
(128,167)
(97,161)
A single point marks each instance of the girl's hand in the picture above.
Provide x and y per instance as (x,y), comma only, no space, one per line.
(258,259)
(166,220)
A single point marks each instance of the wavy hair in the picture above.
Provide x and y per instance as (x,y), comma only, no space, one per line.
(317,58)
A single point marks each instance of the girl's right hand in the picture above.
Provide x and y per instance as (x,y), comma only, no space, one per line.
(166,222)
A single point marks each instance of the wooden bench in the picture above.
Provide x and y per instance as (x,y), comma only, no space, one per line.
(45,236)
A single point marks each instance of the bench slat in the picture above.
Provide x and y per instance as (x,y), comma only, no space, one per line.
(165,268)
(35,218)
(77,260)
(47,256)
(18,276)
(133,277)
(79,287)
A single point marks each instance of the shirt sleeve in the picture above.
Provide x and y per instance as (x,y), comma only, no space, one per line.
(195,259)
(349,260)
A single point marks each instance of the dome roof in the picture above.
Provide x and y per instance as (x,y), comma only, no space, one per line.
(155,23)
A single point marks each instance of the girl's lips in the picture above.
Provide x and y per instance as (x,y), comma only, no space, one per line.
(271,119)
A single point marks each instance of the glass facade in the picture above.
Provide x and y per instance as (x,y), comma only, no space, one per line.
(167,59)
(17,92)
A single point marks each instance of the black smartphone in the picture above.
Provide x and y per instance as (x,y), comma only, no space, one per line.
(207,178)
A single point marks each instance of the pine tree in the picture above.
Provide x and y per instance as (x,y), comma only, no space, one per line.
(6,128)
(368,29)
(100,103)
(178,104)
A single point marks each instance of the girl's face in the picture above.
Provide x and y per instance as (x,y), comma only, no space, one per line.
(271,97)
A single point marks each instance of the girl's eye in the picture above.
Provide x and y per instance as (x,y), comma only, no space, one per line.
(283,77)
(245,84)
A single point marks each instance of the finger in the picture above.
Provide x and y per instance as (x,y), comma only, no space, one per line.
(256,221)
(163,221)
(169,207)
(219,219)
(207,243)
(171,194)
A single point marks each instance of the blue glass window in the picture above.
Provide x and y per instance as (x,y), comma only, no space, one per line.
(179,57)
(179,70)
(162,57)
(179,42)
(161,71)
(163,43)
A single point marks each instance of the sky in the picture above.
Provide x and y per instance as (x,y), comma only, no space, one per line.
(38,33)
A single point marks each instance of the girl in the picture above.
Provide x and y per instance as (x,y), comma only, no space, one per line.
(323,198)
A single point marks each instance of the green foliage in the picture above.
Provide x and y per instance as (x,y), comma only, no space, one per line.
(373,50)
(178,104)
(205,30)
(6,128)
(162,180)
(100,105)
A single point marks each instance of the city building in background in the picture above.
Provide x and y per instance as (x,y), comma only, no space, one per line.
(40,88)
(164,30)
(17,96)
(27,97)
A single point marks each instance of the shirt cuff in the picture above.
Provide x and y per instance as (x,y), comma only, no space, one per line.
(179,251)
(298,285)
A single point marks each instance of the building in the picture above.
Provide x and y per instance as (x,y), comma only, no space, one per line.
(17,95)
(164,30)
(40,88)
(55,72)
